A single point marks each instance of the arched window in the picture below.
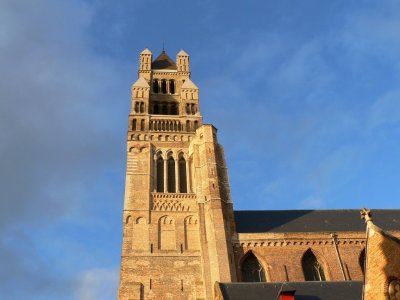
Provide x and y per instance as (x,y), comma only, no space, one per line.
(174,110)
(361,261)
(165,109)
(172,87)
(156,109)
(188,109)
(188,126)
(142,125)
(136,107)
(164,86)
(196,124)
(155,86)
(182,175)
(252,270)
(142,107)
(171,175)
(313,270)
(134,124)
(160,174)
(166,233)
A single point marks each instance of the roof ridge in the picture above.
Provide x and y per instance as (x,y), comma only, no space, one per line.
(163,61)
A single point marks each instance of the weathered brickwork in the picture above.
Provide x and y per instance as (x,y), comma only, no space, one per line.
(281,254)
(177,207)
(179,234)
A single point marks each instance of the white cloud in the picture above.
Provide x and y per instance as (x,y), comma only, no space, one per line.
(98,284)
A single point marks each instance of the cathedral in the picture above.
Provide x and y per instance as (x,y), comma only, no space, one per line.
(182,238)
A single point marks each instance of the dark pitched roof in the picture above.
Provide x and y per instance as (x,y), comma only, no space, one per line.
(310,290)
(163,61)
(313,220)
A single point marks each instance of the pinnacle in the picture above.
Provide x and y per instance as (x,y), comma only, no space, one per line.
(146,51)
(182,53)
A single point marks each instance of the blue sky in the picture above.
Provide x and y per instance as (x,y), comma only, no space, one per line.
(305,95)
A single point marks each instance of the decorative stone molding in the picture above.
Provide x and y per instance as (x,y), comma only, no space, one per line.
(169,205)
(285,243)
(172,202)
(173,196)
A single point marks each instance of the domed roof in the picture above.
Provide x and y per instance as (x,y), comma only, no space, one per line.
(163,62)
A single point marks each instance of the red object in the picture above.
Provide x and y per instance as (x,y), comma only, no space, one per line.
(287,295)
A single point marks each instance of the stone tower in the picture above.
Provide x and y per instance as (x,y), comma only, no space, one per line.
(178,216)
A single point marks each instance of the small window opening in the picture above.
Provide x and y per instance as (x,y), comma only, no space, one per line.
(164,86)
(164,109)
(156,109)
(160,175)
(182,175)
(155,86)
(171,175)
(362,261)
(172,87)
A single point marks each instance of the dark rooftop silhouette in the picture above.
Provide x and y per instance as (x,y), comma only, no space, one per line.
(163,62)
(282,221)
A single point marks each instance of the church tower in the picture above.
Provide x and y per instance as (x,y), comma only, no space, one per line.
(178,216)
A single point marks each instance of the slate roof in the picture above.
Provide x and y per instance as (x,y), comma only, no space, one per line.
(309,290)
(281,221)
(163,62)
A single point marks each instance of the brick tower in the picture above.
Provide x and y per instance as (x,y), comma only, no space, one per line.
(178,216)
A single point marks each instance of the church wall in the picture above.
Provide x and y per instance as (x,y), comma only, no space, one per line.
(281,254)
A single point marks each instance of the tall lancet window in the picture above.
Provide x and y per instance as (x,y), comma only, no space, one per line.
(312,268)
(252,270)
(171,175)
(160,174)
(182,174)
(362,261)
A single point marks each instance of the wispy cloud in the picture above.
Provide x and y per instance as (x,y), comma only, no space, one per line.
(59,140)
(98,284)
(386,109)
